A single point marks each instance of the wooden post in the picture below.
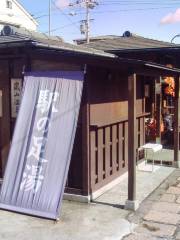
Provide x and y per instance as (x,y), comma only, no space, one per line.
(131,203)
(177,122)
(85,138)
(158,109)
(85,149)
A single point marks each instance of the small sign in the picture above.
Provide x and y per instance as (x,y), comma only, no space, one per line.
(16,88)
(146,90)
(158,88)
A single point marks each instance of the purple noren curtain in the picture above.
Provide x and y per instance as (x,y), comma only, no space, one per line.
(42,144)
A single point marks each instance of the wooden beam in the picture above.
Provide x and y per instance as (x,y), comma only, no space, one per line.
(176,121)
(132,138)
(151,72)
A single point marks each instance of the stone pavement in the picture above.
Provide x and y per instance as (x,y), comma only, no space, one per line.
(146,182)
(78,222)
(104,219)
(159,215)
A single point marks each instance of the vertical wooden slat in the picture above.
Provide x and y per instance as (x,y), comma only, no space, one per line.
(114,148)
(93,158)
(110,150)
(126,143)
(120,145)
(100,155)
(104,155)
(177,121)
(107,151)
(132,137)
(141,131)
(123,145)
(138,133)
(117,148)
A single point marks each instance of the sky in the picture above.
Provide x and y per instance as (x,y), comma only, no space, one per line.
(149,18)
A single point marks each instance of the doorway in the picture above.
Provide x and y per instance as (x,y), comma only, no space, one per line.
(5,120)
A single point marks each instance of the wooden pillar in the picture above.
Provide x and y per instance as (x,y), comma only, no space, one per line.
(176,121)
(158,109)
(85,149)
(131,203)
(85,137)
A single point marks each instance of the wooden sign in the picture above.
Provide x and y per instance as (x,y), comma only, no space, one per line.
(16,88)
(146,90)
(158,88)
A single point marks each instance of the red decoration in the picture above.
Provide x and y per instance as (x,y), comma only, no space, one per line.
(170,89)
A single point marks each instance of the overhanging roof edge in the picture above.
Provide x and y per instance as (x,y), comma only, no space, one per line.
(113,51)
(92,52)
(89,51)
(162,67)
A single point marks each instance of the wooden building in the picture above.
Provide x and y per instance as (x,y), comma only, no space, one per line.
(133,46)
(111,121)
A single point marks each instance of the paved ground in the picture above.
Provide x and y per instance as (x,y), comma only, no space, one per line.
(147,181)
(78,222)
(103,220)
(159,215)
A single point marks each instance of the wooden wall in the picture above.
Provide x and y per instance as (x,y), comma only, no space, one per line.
(46,65)
(108,99)
(108,126)
(5,118)
(108,96)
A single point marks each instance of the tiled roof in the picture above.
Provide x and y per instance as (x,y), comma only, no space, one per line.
(124,43)
(33,36)
(22,36)
(97,38)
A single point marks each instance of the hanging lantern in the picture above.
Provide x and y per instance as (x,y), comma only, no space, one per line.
(169,91)
(170,81)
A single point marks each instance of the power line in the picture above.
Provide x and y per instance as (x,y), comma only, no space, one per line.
(127,10)
(49,17)
(58,28)
(87,5)
(130,10)
(64,14)
(85,23)
(136,3)
(119,3)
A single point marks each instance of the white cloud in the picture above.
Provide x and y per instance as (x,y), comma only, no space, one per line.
(62,3)
(171,17)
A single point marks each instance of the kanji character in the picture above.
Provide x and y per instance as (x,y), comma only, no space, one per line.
(38,149)
(46,98)
(32,178)
(43,124)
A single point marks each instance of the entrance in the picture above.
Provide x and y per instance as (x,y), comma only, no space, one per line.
(5,118)
(159,126)
(160,105)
